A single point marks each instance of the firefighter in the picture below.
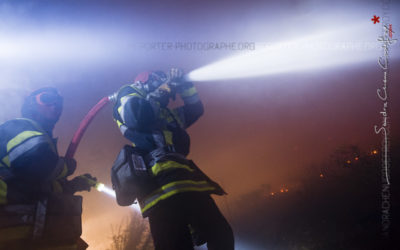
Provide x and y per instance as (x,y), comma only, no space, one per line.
(38,209)
(176,197)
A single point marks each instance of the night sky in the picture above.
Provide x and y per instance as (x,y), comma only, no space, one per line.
(254,131)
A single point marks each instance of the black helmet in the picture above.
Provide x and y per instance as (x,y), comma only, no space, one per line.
(39,99)
(151,80)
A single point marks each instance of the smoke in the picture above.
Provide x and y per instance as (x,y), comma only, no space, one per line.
(11,99)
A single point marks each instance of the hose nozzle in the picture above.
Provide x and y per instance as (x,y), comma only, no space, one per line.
(113,97)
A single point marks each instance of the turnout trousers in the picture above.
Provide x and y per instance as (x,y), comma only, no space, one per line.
(177,219)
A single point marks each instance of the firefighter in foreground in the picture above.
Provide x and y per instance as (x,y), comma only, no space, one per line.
(38,208)
(172,191)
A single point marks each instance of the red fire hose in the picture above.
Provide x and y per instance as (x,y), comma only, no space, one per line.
(88,119)
(85,123)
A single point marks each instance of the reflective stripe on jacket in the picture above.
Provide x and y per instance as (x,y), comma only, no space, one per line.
(149,127)
(29,155)
(174,188)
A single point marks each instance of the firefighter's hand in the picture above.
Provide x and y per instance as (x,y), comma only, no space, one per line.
(175,78)
(82,183)
(176,75)
(177,81)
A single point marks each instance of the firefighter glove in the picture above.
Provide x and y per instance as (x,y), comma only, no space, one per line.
(177,82)
(81,183)
(176,75)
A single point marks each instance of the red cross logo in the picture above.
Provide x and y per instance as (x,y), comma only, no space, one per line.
(375,19)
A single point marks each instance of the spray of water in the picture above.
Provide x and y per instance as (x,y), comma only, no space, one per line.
(328,48)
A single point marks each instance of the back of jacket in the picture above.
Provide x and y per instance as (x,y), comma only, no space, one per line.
(28,157)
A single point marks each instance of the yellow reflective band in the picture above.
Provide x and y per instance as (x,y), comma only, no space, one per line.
(6,160)
(189,92)
(40,129)
(185,182)
(168,137)
(135,94)
(161,166)
(27,145)
(125,98)
(3,192)
(169,194)
(15,233)
(175,187)
(119,123)
(57,188)
(20,138)
(119,110)
(141,93)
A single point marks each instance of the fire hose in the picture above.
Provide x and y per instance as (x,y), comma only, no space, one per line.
(73,146)
(84,124)
(90,116)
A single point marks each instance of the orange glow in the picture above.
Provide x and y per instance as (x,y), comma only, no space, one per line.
(348,161)
(286,190)
(272,193)
(321,175)
(282,190)
(375,152)
(356,158)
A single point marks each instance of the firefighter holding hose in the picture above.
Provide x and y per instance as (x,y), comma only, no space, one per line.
(38,208)
(172,191)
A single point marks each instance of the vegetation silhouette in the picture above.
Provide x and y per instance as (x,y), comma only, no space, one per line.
(133,233)
(335,205)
